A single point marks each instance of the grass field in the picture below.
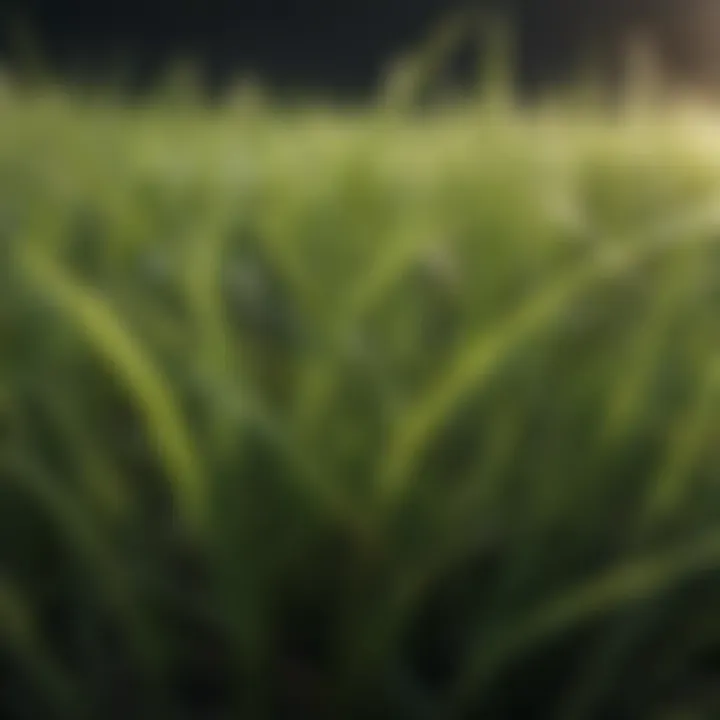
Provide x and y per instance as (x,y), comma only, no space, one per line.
(343,413)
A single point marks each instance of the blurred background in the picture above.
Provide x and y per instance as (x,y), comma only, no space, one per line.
(345,47)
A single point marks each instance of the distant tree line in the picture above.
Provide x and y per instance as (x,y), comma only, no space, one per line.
(344,45)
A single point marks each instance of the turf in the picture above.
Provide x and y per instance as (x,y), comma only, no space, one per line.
(334,413)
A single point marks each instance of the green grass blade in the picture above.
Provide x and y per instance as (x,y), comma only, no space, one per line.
(90,314)
(631,582)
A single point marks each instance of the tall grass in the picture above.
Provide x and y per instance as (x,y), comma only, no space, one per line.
(340,413)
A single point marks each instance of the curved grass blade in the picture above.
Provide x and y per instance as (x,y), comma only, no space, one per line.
(477,362)
(105,333)
(86,540)
(631,582)
(645,354)
(218,357)
(386,271)
(691,436)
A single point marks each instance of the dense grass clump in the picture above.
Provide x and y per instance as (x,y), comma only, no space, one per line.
(341,414)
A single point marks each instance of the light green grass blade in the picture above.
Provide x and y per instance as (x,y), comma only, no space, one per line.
(91,315)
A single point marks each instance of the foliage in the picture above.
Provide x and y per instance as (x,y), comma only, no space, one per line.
(341,413)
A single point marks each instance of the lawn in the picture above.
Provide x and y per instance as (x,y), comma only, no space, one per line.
(334,412)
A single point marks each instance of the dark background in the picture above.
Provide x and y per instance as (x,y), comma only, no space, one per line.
(339,46)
